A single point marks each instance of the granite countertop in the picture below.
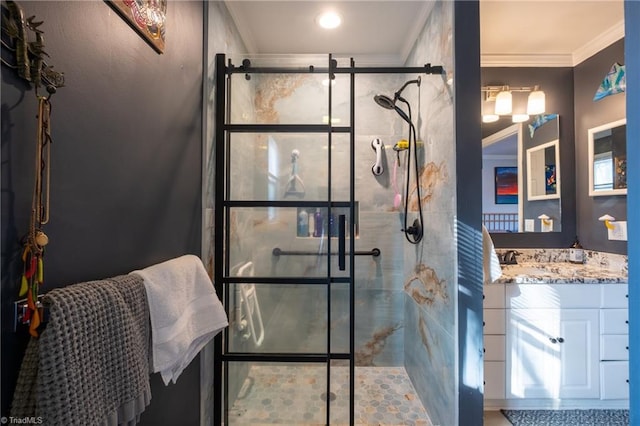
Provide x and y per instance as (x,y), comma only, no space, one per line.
(559,273)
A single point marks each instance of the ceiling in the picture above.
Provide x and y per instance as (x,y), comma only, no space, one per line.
(513,32)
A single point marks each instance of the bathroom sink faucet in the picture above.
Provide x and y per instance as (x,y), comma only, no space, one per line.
(509,258)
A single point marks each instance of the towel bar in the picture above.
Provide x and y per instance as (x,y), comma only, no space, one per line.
(20,308)
(375,252)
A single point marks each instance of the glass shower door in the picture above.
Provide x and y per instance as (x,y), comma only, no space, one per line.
(284,201)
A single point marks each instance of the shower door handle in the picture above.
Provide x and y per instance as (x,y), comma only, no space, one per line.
(342,225)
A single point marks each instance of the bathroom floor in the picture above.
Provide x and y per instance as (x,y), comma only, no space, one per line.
(295,395)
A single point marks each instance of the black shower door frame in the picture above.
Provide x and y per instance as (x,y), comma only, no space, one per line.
(222,206)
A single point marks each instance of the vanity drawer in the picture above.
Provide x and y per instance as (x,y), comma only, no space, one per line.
(494,348)
(614,296)
(613,347)
(494,380)
(614,321)
(614,380)
(494,321)
(493,296)
(565,296)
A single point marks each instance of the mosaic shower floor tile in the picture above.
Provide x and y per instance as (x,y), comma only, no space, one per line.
(295,395)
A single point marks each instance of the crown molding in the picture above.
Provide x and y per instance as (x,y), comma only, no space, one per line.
(528,60)
(605,39)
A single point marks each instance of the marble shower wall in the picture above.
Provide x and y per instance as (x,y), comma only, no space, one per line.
(430,272)
(301,99)
(222,37)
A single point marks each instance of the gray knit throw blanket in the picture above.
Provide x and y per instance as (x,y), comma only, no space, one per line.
(90,365)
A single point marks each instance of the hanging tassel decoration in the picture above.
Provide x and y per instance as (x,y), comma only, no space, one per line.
(35,240)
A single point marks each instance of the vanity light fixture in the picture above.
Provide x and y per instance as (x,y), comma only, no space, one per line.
(329,20)
(488,115)
(503,97)
(536,101)
(490,118)
(519,118)
(504,103)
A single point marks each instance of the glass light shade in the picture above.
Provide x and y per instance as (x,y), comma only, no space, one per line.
(536,102)
(490,118)
(519,118)
(503,103)
(329,20)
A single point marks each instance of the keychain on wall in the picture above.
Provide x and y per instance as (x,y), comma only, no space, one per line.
(27,59)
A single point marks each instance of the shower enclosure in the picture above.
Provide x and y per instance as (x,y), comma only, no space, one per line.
(309,253)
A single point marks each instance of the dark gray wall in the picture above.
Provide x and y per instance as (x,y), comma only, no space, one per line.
(557,83)
(469,210)
(532,209)
(125,166)
(588,76)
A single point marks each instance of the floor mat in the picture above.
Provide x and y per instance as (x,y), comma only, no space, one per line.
(567,417)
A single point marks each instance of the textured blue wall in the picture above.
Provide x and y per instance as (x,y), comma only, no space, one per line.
(632,62)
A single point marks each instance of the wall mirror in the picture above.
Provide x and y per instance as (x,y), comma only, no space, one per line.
(543,171)
(505,149)
(608,159)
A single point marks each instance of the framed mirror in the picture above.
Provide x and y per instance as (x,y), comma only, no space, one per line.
(608,159)
(507,147)
(543,171)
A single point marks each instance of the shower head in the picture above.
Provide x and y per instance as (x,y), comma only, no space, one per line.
(388,103)
(385,101)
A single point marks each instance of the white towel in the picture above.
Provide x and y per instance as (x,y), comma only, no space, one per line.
(185,313)
(490,263)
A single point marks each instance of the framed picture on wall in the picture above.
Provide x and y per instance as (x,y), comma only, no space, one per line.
(550,179)
(506,185)
(147,17)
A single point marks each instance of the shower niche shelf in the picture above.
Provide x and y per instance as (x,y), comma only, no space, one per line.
(313,223)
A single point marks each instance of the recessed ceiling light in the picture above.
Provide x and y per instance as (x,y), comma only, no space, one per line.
(329,20)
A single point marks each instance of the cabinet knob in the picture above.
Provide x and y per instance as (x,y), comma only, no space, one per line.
(552,340)
(484,323)
(560,340)
(627,380)
(626,322)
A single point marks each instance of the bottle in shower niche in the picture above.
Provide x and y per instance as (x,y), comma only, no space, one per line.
(576,252)
(333,225)
(318,224)
(303,223)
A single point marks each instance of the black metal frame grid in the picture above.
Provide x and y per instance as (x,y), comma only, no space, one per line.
(223,130)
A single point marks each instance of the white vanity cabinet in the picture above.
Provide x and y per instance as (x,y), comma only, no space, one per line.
(614,343)
(552,353)
(562,342)
(494,327)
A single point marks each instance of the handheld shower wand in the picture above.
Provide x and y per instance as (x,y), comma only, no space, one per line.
(412,233)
